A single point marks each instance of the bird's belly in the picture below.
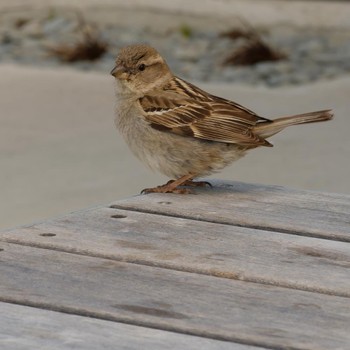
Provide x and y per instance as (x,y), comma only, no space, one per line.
(174,155)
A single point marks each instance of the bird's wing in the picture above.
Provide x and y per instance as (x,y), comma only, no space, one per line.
(184,109)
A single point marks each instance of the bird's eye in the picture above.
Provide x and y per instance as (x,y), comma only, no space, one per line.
(142,67)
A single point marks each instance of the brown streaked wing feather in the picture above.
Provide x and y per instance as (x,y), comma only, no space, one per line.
(186,110)
(190,90)
(226,132)
(172,113)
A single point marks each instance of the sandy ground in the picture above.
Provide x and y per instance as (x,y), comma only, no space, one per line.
(59,150)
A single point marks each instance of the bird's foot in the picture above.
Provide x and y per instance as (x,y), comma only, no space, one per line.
(174,186)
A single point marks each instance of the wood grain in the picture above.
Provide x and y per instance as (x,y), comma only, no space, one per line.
(227,251)
(272,208)
(24,328)
(200,305)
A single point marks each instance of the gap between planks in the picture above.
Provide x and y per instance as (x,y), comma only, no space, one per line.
(211,273)
(228,223)
(257,206)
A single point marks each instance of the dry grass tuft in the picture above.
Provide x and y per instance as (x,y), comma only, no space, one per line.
(253,51)
(89,48)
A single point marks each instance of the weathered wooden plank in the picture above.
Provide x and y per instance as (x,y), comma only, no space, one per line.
(23,328)
(221,250)
(194,304)
(259,206)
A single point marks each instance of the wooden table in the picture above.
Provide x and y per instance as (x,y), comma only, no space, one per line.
(238,266)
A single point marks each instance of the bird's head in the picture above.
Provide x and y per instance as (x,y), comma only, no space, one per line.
(141,69)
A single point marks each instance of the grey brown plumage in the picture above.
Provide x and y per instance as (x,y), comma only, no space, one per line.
(186,110)
(180,130)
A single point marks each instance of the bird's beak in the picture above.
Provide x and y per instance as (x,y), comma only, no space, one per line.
(118,71)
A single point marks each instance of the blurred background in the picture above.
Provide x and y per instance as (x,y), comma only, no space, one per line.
(59,150)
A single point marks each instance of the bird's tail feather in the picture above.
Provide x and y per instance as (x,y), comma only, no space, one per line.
(269,128)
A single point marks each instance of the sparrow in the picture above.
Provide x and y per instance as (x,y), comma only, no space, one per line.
(178,129)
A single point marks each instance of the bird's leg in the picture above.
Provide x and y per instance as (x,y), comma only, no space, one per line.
(172,186)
